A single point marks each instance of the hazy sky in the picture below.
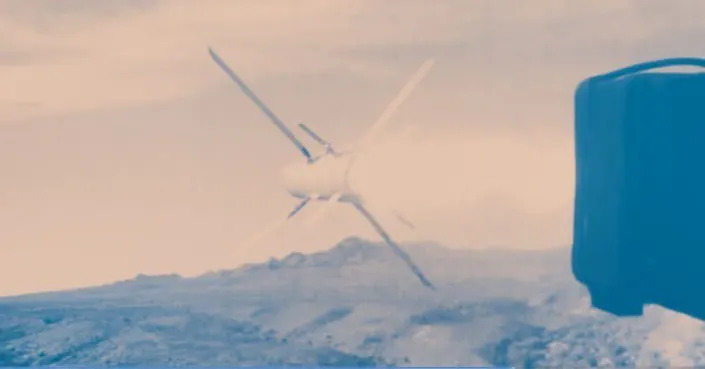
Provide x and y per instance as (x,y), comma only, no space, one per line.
(125,150)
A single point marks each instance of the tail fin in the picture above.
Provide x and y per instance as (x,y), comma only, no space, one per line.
(399,99)
(317,138)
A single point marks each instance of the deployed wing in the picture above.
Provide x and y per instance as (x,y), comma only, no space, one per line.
(397,250)
(403,94)
(260,104)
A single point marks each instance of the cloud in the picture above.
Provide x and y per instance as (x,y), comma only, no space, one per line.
(69,15)
(14,58)
(122,53)
(159,53)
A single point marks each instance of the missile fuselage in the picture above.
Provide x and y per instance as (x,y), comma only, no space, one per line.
(321,179)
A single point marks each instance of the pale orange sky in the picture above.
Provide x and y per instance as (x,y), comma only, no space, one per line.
(125,150)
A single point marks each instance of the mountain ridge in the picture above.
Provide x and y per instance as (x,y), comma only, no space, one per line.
(354,304)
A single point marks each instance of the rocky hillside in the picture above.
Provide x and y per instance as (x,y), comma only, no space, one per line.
(353,305)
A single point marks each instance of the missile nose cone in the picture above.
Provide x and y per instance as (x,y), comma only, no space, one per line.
(293,176)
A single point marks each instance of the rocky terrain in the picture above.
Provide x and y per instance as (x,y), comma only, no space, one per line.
(353,305)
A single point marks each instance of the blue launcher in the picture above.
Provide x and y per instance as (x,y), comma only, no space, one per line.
(639,221)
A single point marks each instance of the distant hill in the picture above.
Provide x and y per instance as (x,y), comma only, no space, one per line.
(353,305)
